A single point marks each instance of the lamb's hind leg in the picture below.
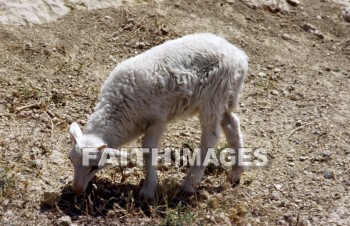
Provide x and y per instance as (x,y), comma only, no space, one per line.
(209,138)
(151,140)
(231,126)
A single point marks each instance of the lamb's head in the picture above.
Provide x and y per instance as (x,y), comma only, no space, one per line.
(85,157)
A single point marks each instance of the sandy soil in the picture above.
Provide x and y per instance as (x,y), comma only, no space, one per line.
(295,105)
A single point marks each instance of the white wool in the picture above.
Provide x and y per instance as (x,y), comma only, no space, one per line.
(181,77)
(199,73)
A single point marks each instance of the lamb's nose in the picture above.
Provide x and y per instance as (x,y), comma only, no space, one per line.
(78,191)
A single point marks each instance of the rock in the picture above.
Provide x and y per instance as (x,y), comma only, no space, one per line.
(317,132)
(277,70)
(262,74)
(319,34)
(293,2)
(346,14)
(51,198)
(64,221)
(328,174)
(312,29)
(275,195)
(308,27)
(274,92)
(277,186)
(37,164)
(286,36)
(273,6)
(298,123)
(28,46)
(303,158)
(24,12)
(326,154)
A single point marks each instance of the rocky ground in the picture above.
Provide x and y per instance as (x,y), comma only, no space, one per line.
(295,105)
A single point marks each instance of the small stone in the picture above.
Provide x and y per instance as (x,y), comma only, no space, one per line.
(319,34)
(28,46)
(277,70)
(262,74)
(286,36)
(298,123)
(278,186)
(275,195)
(317,132)
(326,154)
(64,221)
(291,163)
(328,174)
(164,30)
(108,17)
(293,2)
(177,4)
(346,14)
(51,198)
(308,27)
(274,92)
(37,164)
(303,158)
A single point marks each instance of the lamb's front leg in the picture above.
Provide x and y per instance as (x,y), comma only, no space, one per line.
(151,140)
(209,138)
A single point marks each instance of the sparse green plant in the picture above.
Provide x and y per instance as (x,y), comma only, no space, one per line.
(6,183)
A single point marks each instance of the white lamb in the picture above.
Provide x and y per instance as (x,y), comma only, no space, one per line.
(198,73)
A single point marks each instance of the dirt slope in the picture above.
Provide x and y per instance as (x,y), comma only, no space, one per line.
(295,105)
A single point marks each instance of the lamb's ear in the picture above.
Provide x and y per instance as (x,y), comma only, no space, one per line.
(102,147)
(75,131)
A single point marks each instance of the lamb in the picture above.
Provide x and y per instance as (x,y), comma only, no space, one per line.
(196,74)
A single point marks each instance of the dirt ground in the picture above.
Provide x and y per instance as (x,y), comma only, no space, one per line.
(295,105)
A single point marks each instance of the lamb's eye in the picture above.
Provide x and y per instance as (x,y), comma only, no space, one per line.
(93,168)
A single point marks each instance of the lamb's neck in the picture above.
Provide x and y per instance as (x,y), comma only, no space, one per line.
(113,129)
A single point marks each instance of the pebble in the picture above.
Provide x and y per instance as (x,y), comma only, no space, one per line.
(319,34)
(317,132)
(278,186)
(286,36)
(294,2)
(262,74)
(37,164)
(303,158)
(64,221)
(326,154)
(346,14)
(309,27)
(291,163)
(274,92)
(328,174)
(275,195)
(298,123)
